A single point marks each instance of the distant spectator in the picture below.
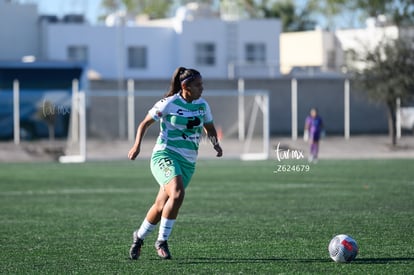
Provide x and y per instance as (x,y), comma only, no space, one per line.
(313,132)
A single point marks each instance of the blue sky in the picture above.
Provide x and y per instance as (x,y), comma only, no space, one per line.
(91,8)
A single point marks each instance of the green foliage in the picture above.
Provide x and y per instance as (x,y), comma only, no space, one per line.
(237,217)
(110,5)
(153,8)
(387,75)
(48,113)
(402,13)
(399,12)
(293,18)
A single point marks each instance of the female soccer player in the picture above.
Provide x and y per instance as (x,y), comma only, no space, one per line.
(182,114)
(313,131)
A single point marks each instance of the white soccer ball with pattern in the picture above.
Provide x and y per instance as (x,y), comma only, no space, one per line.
(343,248)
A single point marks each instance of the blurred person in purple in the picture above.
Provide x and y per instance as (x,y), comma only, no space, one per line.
(313,132)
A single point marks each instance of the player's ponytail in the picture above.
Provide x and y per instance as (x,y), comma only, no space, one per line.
(175,84)
(181,75)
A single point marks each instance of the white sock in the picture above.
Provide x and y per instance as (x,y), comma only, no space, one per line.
(145,228)
(166,226)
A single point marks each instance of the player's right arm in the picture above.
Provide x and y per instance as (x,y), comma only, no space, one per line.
(142,128)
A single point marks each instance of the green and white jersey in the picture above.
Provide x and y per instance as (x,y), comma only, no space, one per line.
(181,124)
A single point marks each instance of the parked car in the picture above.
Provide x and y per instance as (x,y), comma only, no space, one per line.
(31,101)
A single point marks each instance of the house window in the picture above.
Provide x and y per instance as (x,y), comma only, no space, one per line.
(205,54)
(255,52)
(137,57)
(331,59)
(78,53)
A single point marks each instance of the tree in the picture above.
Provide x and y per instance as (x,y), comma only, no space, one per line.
(399,12)
(293,18)
(48,114)
(388,75)
(109,6)
(153,8)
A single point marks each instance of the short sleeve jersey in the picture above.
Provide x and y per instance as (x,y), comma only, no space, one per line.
(181,124)
(314,124)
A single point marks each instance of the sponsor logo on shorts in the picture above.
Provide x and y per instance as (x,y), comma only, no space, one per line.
(167,172)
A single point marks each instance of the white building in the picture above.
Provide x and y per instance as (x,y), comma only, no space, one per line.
(225,46)
(362,41)
(326,52)
(196,38)
(153,49)
(310,49)
(19,31)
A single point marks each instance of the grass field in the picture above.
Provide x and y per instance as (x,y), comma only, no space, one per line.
(238,217)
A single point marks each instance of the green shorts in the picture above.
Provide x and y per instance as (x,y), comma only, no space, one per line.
(166,164)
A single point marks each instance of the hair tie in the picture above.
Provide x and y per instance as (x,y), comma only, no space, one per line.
(191,76)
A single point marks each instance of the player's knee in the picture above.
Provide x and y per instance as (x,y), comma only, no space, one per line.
(176,191)
(178,195)
(159,206)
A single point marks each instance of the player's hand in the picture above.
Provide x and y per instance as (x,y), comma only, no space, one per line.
(133,153)
(218,149)
(306,135)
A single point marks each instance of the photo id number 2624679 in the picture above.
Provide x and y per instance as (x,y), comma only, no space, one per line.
(291,168)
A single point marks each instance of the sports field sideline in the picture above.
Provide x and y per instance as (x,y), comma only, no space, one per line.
(335,147)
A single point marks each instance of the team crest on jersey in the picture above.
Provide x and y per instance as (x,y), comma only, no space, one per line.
(201,111)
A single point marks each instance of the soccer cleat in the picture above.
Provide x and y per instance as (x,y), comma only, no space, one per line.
(135,250)
(162,249)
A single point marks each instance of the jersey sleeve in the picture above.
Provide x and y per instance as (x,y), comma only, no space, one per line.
(159,109)
(208,116)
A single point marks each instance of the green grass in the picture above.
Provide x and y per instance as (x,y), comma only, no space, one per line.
(238,217)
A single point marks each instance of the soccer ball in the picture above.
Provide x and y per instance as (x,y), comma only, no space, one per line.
(343,248)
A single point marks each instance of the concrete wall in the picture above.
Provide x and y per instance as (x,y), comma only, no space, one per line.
(203,31)
(303,49)
(107,48)
(166,48)
(267,32)
(325,94)
(19,31)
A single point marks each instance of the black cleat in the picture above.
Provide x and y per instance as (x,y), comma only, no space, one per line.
(162,250)
(135,250)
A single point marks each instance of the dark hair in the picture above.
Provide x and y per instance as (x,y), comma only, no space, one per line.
(181,75)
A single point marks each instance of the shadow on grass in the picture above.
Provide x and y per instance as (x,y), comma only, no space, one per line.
(202,260)
(382,260)
(206,260)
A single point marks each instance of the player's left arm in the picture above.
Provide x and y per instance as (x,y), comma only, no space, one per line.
(322,128)
(212,136)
